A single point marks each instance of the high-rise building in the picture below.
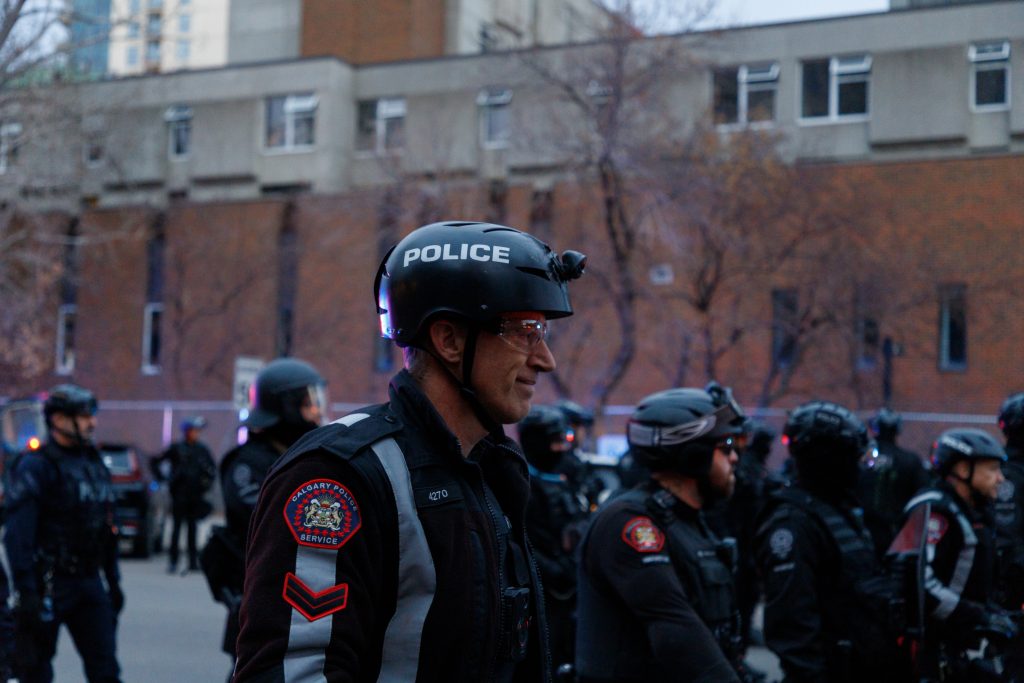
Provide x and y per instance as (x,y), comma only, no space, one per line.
(89,28)
(151,36)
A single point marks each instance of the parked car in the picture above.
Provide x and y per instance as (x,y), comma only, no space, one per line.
(140,510)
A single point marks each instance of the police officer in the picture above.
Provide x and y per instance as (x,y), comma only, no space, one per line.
(190,475)
(391,544)
(656,595)
(554,522)
(952,519)
(1009,514)
(59,537)
(586,475)
(888,480)
(827,608)
(289,401)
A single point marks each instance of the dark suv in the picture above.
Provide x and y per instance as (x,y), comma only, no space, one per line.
(139,510)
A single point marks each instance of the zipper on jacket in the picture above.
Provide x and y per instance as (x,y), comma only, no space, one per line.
(495,520)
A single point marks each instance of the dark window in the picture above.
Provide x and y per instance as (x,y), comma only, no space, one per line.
(288,273)
(953,326)
(853,97)
(815,88)
(727,96)
(869,340)
(541,204)
(784,326)
(990,86)
(497,199)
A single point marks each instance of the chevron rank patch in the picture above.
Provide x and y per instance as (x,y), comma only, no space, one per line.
(322,514)
(314,604)
(641,534)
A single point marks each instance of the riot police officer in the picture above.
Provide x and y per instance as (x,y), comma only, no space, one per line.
(289,401)
(952,520)
(888,480)
(391,545)
(59,539)
(588,476)
(1009,515)
(190,474)
(656,594)
(827,608)
(554,521)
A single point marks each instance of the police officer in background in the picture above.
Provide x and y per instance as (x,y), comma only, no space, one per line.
(589,480)
(827,606)
(888,480)
(59,538)
(656,595)
(289,401)
(554,520)
(391,544)
(952,519)
(1009,514)
(190,474)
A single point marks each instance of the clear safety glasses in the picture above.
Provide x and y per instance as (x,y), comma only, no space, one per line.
(523,335)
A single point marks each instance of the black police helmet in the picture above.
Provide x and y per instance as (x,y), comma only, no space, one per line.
(886,423)
(677,429)
(279,390)
(761,438)
(827,442)
(575,413)
(1011,417)
(71,400)
(543,426)
(964,443)
(476,271)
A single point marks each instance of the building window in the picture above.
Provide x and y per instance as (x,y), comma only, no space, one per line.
(291,121)
(835,88)
(495,116)
(133,29)
(10,134)
(183,49)
(153,52)
(132,56)
(154,23)
(184,23)
(65,362)
(784,326)
(990,75)
(151,315)
(179,130)
(92,153)
(953,327)
(745,94)
(381,125)
(134,6)
(868,342)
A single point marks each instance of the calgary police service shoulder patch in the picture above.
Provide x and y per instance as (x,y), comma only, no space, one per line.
(641,534)
(322,514)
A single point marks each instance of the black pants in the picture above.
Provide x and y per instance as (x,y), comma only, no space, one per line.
(193,554)
(81,604)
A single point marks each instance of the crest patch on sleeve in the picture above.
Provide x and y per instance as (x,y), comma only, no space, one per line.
(937,526)
(641,534)
(322,514)
(314,604)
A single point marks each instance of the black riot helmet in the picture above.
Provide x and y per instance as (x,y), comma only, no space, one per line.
(543,434)
(678,429)
(73,401)
(761,438)
(1011,419)
(886,424)
(576,414)
(279,393)
(827,441)
(474,271)
(964,443)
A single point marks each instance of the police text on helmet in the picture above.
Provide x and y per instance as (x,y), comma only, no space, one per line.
(456,252)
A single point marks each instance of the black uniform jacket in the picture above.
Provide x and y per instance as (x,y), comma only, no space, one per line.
(335,578)
(637,620)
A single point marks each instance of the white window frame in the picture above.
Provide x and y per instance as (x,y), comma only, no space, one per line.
(9,133)
(60,366)
(175,116)
(849,69)
(294,104)
(148,311)
(754,77)
(490,101)
(990,56)
(387,109)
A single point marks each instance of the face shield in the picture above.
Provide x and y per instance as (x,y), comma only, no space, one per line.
(314,404)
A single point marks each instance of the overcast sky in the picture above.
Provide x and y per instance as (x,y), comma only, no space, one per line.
(733,12)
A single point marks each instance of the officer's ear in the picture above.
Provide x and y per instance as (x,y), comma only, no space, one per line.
(448,339)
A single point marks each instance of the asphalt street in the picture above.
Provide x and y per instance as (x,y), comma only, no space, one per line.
(171,629)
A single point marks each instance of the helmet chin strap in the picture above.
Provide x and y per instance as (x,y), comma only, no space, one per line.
(75,437)
(465,384)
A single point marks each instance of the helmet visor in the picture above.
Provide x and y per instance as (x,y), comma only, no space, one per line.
(726,420)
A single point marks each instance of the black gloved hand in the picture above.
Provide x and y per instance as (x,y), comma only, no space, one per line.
(28,632)
(116,598)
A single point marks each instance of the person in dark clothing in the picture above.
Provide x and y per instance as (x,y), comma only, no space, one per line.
(6,629)
(190,474)
(391,544)
(656,594)
(826,613)
(289,402)
(952,521)
(1009,517)
(554,521)
(888,480)
(592,481)
(59,538)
